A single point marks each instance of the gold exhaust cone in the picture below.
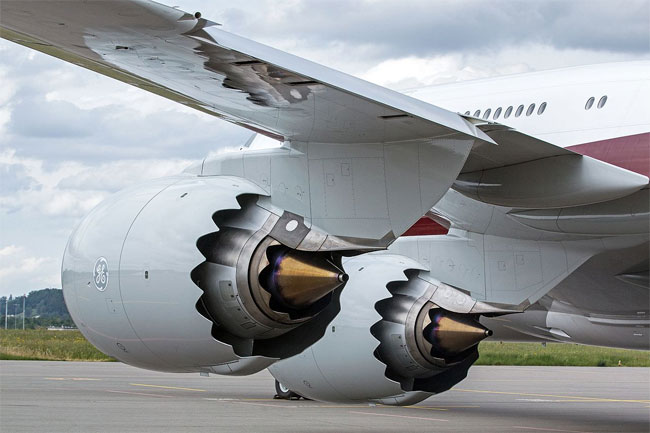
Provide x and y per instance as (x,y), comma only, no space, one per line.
(451,333)
(298,279)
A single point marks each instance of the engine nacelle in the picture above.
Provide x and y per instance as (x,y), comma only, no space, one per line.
(190,274)
(391,343)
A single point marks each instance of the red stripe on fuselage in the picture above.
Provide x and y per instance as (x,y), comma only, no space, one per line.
(631,152)
(426,227)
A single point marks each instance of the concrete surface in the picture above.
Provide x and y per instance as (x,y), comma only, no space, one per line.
(112,397)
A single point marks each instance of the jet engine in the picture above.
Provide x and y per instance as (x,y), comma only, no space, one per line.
(399,338)
(193,274)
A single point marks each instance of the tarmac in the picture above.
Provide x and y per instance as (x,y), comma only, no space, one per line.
(113,397)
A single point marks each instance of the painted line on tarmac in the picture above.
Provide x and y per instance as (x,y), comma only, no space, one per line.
(542,400)
(267,404)
(168,387)
(72,378)
(441,408)
(243,400)
(282,404)
(399,416)
(549,429)
(138,393)
(311,404)
(570,397)
(306,404)
(257,399)
(542,380)
(426,408)
(519,380)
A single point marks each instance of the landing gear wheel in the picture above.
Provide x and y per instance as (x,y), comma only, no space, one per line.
(284,393)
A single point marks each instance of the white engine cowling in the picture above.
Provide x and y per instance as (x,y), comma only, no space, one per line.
(389,344)
(187,274)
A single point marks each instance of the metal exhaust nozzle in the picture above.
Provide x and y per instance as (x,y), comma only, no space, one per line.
(451,333)
(298,279)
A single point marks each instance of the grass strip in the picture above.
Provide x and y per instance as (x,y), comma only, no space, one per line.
(560,354)
(41,344)
(44,345)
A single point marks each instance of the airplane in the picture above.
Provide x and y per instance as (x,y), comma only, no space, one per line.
(365,258)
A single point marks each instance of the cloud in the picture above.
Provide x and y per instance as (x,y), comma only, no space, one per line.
(59,112)
(422,28)
(53,119)
(34,188)
(118,175)
(72,188)
(414,72)
(18,269)
(41,202)
(14,178)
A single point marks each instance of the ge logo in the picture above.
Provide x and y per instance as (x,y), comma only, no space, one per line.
(100,274)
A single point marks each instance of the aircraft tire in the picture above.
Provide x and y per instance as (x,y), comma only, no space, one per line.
(284,393)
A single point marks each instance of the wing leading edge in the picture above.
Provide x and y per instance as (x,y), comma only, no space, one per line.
(189,60)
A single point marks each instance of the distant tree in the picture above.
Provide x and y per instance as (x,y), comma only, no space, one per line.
(43,308)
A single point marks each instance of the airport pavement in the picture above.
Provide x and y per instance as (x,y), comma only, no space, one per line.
(112,397)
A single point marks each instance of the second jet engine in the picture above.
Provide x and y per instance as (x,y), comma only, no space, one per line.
(400,337)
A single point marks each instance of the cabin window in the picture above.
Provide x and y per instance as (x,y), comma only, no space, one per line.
(602,101)
(467,113)
(530,110)
(477,113)
(487,113)
(590,103)
(542,108)
(508,112)
(520,110)
(497,113)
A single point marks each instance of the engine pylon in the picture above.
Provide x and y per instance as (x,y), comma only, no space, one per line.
(451,333)
(298,279)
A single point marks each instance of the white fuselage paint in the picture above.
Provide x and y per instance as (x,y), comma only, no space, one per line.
(565,121)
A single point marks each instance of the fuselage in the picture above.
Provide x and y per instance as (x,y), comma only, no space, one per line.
(602,110)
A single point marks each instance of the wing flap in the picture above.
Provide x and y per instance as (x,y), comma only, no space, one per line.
(514,147)
(526,172)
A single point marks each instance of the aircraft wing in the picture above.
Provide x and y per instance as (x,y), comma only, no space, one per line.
(526,172)
(420,147)
(192,61)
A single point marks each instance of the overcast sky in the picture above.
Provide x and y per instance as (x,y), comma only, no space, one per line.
(69,137)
